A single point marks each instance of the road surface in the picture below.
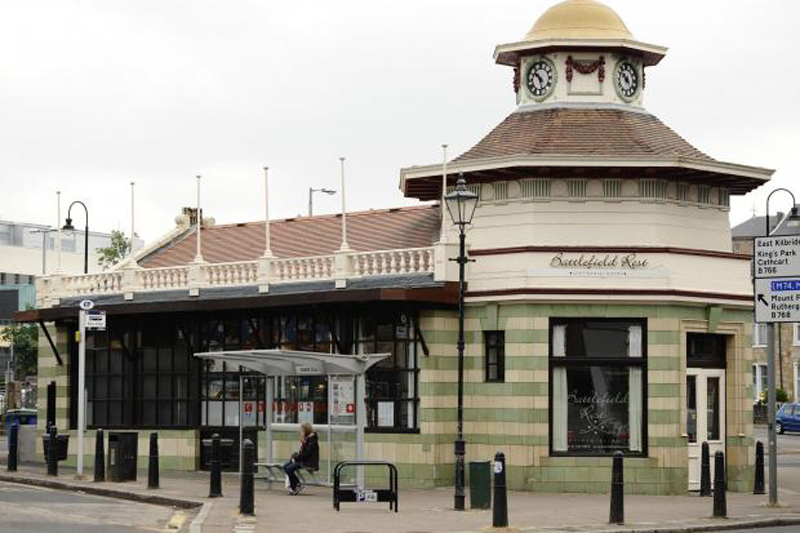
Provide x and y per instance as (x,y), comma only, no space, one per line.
(26,509)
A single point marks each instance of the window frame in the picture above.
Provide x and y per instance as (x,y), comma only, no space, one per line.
(758,330)
(500,363)
(584,362)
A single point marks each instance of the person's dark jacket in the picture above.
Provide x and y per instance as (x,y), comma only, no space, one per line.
(308,456)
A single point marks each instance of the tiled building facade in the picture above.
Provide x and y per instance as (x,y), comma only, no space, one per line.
(605,311)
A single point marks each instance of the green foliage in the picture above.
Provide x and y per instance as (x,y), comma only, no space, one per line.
(25,339)
(114,252)
(781,396)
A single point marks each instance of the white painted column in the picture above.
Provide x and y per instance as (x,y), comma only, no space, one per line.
(133,214)
(345,246)
(58,233)
(267,249)
(443,208)
(199,256)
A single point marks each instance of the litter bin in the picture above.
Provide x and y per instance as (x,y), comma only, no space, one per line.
(123,451)
(480,485)
(226,449)
(62,443)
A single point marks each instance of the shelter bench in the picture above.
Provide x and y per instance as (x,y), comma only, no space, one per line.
(274,472)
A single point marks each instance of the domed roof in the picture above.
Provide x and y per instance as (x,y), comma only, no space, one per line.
(579,19)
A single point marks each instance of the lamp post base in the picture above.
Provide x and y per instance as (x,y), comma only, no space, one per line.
(460,449)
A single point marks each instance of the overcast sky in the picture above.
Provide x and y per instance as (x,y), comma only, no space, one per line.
(96,93)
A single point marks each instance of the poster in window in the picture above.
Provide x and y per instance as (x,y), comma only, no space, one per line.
(305,412)
(598,410)
(343,400)
(386,414)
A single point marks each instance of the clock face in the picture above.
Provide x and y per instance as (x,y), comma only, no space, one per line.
(541,78)
(627,80)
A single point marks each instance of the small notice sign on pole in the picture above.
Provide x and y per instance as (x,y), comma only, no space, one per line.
(95,320)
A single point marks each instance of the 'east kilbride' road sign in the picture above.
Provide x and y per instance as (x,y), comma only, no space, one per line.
(776,257)
(778,300)
(776,269)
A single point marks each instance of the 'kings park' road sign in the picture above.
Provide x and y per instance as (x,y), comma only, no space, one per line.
(776,269)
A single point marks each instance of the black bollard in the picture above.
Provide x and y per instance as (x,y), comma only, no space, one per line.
(617,513)
(216,474)
(51,405)
(152,466)
(720,504)
(705,471)
(500,507)
(246,497)
(52,457)
(99,457)
(13,448)
(758,485)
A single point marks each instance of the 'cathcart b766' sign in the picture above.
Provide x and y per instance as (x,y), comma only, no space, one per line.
(776,269)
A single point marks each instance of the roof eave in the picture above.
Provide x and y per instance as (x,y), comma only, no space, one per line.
(562,161)
(507,54)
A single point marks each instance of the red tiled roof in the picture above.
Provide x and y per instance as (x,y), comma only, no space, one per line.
(385,229)
(582,131)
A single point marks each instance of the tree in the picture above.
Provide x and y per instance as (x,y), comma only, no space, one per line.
(25,340)
(114,252)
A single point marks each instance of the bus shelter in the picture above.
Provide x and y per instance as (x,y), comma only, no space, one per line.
(342,369)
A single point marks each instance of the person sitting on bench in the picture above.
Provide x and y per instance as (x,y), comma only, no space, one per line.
(307,457)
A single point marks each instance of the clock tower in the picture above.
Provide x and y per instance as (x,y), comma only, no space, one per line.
(579,52)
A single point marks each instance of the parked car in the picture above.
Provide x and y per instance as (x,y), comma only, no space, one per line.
(18,417)
(788,418)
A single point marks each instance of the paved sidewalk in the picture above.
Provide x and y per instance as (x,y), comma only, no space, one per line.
(422,511)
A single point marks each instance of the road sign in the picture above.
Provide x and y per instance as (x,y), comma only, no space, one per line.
(777,299)
(86,305)
(776,257)
(96,320)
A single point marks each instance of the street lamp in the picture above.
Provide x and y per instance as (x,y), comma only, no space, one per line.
(461,204)
(311,192)
(69,227)
(793,222)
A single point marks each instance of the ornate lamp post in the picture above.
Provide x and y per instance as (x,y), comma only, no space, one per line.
(461,204)
(69,227)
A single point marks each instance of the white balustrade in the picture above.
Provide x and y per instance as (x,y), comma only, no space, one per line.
(303,268)
(296,269)
(103,283)
(221,274)
(153,279)
(393,262)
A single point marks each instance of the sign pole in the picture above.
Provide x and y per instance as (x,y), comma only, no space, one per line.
(81,386)
(771,411)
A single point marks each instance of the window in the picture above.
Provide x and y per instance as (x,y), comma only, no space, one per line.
(796,380)
(392,395)
(759,381)
(139,374)
(796,336)
(597,378)
(759,335)
(495,354)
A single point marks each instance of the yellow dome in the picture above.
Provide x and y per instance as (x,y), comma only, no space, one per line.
(579,19)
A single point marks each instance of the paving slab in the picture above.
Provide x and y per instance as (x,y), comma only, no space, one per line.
(420,511)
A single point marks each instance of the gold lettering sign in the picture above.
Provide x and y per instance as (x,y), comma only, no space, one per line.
(599,261)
